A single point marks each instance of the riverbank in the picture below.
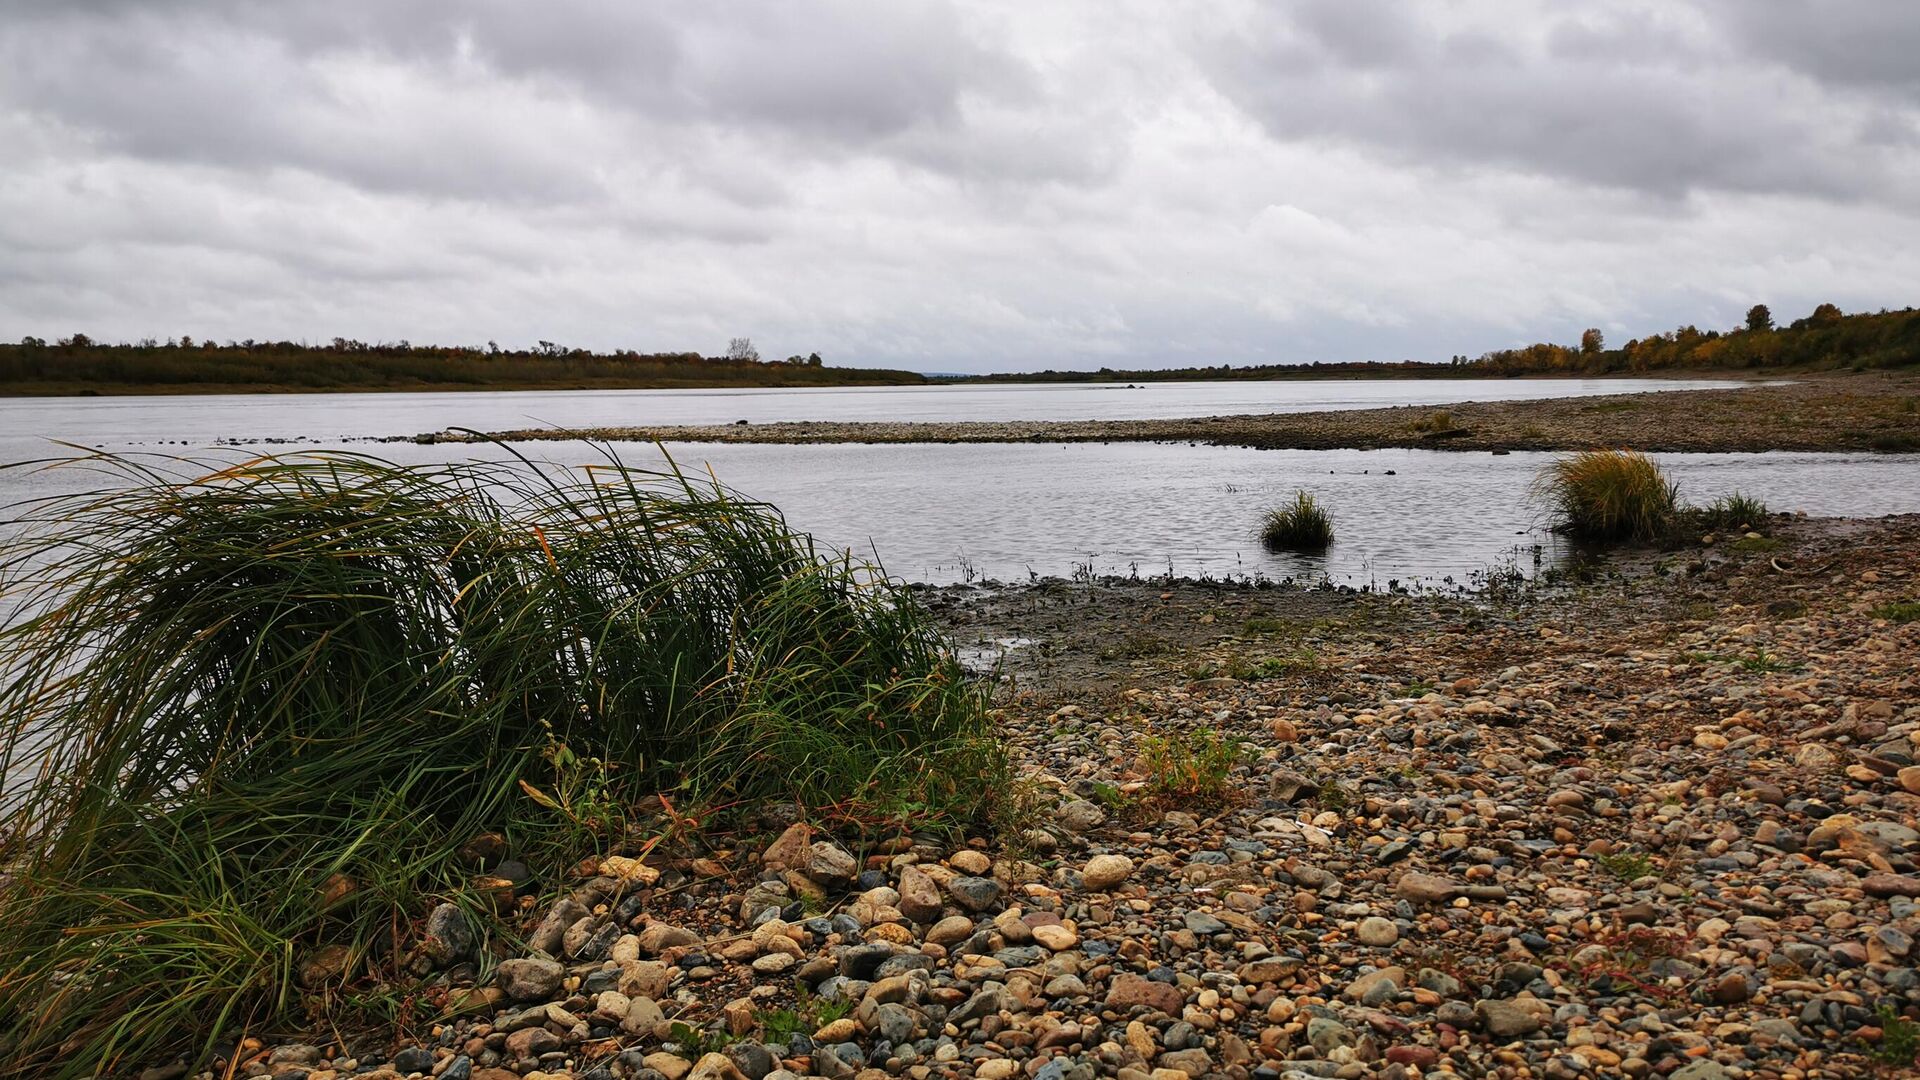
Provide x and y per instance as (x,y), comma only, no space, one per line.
(1659,822)
(1878,411)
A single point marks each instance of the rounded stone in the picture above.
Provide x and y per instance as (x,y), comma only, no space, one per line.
(1105,871)
(1377,932)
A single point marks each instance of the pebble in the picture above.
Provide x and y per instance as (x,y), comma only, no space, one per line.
(1376,931)
(1103,872)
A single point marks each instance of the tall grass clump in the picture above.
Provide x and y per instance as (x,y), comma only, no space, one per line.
(1608,495)
(1300,525)
(247,717)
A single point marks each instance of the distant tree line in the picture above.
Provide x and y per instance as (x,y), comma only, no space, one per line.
(1343,369)
(79,364)
(1825,338)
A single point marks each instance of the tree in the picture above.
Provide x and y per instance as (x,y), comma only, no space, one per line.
(742,349)
(1759,319)
(1824,315)
(813,360)
(1591,342)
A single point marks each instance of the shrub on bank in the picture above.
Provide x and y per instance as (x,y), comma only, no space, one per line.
(1608,495)
(247,720)
(1300,525)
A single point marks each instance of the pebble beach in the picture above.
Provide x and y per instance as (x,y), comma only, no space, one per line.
(1660,822)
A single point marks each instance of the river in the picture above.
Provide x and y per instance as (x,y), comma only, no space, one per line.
(943,512)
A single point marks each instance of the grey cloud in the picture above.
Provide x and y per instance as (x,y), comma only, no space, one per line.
(951,184)
(258,86)
(1648,99)
(1862,44)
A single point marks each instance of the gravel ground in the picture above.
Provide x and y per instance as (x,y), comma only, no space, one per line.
(1660,823)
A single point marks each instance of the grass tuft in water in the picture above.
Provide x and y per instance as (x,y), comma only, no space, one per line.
(250,712)
(1608,495)
(1300,525)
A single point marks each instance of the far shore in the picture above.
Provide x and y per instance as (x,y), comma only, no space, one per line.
(1873,411)
(800,378)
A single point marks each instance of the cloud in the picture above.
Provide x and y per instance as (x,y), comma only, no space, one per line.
(971,184)
(1659,100)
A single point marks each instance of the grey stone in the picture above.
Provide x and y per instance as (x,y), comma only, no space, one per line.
(1080,816)
(831,865)
(1326,1035)
(983,1003)
(529,978)
(552,930)
(1508,1020)
(974,893)
(893,1023)
(449,936)
(752,1059)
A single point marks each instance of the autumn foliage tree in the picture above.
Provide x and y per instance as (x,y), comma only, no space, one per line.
(1826,338)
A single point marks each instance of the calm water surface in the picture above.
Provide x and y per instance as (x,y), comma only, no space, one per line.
(943,512)
(201,420)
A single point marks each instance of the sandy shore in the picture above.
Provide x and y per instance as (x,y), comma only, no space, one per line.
(1838,412)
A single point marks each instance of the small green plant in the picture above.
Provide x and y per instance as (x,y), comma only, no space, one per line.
(1239,667)
(1438,420)
(1764,662)
(694,1043)
(1301,525)
(808,1015)
(1192,767)
(1733,513)
(1898,611)
(1899,1039)
(1139,645)
(1629,957)
(1334,797)
(1109,796)
(1626,865)
(1416,688)
(1300,662)
(1755,545)
(1023,805)
(581,791)
(1266,626)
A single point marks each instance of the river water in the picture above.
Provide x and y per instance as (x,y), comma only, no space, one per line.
(204,419)
(945,512)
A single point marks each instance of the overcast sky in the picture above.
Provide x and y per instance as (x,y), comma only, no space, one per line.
(954,186)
